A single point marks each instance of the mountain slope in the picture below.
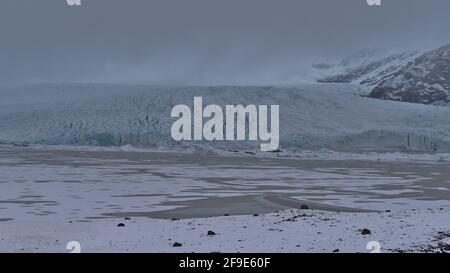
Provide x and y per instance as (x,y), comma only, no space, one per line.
(368,67)
(425,80)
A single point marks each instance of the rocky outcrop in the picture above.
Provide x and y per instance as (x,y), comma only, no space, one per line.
(426,80)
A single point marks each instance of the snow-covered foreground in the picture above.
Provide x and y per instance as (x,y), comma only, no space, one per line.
(315,116)
(52,196)
(287,231)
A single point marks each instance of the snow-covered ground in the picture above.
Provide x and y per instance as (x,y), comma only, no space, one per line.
(286,231)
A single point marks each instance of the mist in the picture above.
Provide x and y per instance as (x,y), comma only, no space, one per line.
(203,41)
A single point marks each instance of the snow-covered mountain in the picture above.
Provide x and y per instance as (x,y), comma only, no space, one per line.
(408,77)
(425,80)
(367,67)
(314,116)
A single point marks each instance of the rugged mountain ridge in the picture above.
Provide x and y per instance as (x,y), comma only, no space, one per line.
(409,77)
(426,80)
(370,71)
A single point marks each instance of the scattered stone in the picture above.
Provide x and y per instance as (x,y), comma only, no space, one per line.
(211,233)
(304,207)
(120,225)
(226,214)
(176,244)
(366,231)
(387,210)
(174,219)
(336,250)
(256,214)
(127,218)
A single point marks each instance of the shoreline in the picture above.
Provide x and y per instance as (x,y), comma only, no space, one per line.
(236,205)
(283,154)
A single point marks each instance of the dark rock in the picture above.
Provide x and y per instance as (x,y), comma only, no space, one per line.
(226,214)
(387,210)
(304,207)
(366,231)
(256,214)
(120,225)
(336,250)
(425,80)
(176,244)
(127,218)
(174,219)
(211,233)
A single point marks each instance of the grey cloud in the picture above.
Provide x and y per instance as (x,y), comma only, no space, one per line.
(202,41)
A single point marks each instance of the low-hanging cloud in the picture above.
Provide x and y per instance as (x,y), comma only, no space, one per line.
(202,41)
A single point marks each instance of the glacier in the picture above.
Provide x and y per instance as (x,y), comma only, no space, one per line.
(312,116)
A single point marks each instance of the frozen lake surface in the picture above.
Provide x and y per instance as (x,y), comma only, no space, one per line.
(85,185)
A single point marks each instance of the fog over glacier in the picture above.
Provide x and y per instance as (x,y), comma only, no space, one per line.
(202,41)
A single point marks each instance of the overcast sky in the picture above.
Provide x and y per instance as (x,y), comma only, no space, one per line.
(202,41)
